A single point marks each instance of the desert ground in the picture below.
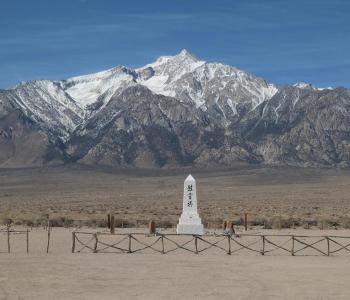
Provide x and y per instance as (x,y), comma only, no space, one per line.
(61,274)
(76,198)
(272,197)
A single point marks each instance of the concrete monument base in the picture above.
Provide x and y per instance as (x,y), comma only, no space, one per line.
(190,229)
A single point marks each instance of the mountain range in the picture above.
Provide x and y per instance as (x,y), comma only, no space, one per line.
(177,111)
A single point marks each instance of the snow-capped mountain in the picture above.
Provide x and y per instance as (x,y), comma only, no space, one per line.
(63,105)
(47,103)
(185,77)
(60,106)
(177,110)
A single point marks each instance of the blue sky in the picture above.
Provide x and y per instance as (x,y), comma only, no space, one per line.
(282,41)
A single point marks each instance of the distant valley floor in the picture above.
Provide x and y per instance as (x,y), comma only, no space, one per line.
(272,197)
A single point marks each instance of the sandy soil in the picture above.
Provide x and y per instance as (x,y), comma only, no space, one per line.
(78,194)
(181,275)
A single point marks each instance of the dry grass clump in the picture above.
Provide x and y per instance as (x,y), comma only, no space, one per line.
(345,222)
(276,222)
(329,224)
(165,224)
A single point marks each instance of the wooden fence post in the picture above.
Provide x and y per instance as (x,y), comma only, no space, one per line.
(48,236)
(96,242)
(328,246)
(27,238)
(229,245)
(8,240)
(152,227)
(196,243)
(129,251)
(245,221)
(224,225)
(263,245)
(293,241)
(229,228)
(112,224)
(163,250)
(109,221)
(73,240)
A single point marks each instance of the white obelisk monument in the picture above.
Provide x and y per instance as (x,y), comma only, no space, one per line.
(190,222)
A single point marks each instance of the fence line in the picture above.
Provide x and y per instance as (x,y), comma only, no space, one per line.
(10,232)
(229,244)
(263,244)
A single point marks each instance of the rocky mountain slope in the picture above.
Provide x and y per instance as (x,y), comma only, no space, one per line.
(22,141)
(174,112)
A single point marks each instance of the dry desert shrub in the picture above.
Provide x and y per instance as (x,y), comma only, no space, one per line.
(124,223)
(307,224)
(290,223)
(239,222)
(274,222)
(328,223)
(258,222)
(61,222)
(345,222)
(164,224)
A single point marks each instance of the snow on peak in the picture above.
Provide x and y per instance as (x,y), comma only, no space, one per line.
(50,104)
(86,90)
(168,69)
(303,85)
(189,79)
(184,53)
(183,76)
(184,61)
(325,88)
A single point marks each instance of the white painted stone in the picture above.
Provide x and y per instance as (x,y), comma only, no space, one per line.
(190,222)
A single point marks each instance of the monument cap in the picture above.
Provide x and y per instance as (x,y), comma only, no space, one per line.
(190,178)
